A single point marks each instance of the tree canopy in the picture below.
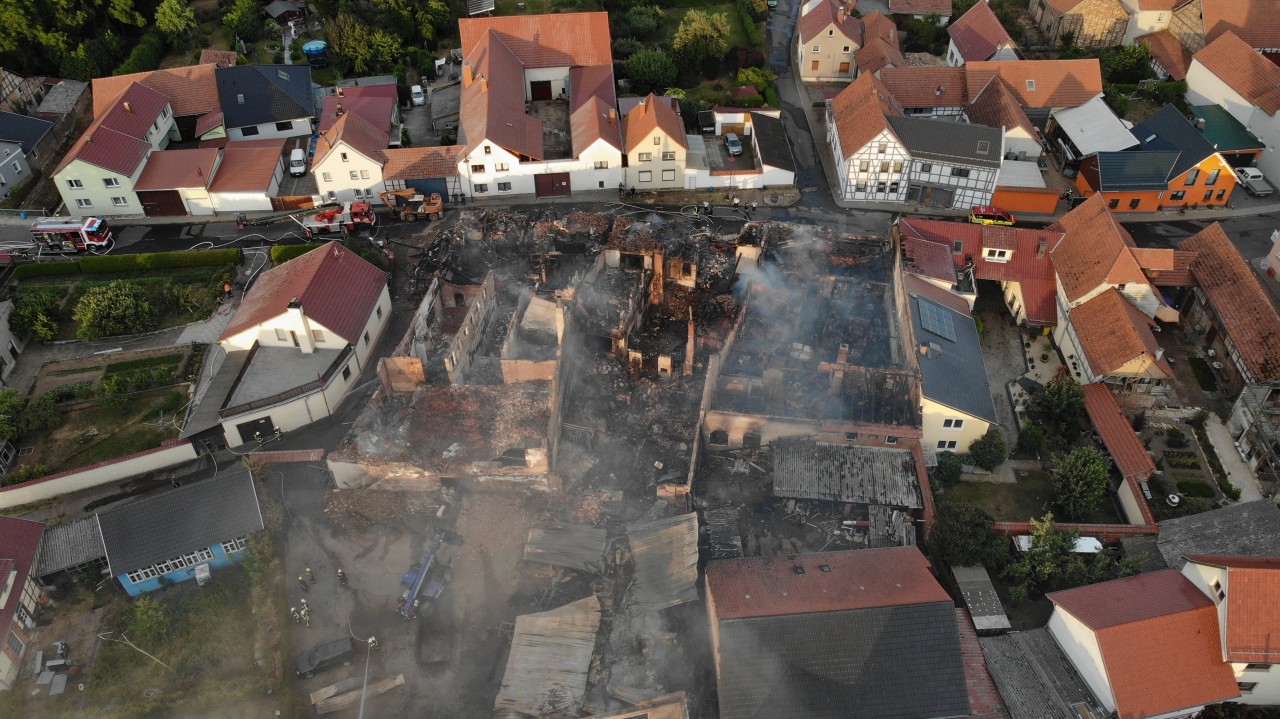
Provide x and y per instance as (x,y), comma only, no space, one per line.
(1080,481)
(702,36)
(112,309)
(989,451)
(176,19)
(37,37)
(365,47)
(650,71)
(1060,404)
(965,534)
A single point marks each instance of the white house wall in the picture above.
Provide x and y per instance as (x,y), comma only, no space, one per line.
(1017,140)
(1204,88)
(1143,22)
(334,180)
(520,175)
(557,76)
(197,201)
(954,58)
(830,49)
(662,174)
(862,176)
(976,189)
(1080,645)
(300,411)
(10,344)
(241,201)
(271,130)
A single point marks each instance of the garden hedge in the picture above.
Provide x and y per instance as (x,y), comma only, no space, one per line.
(47,269)
(117,264)
(284,253)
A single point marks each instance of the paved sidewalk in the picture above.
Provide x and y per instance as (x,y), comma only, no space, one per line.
(1238,472)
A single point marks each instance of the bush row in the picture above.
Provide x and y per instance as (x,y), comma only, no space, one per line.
(114,264)
(284,253)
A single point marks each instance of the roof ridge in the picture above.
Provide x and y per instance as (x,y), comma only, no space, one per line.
(182,487)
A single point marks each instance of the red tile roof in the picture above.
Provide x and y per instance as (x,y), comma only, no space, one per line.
(1244,310)
(1253,624)
(1254,21)
(1158,637)
(880,46)
(116,139)
(335,287)
(859,111)
(375,103)
(858,579)
(248,166)
(650,115)
(492,105)
(192,90)
(934,293)
(221,58)
(1093,251)
(978,33)
(928,243)
(1172,55)
(356,133)
(1041,83)
(996,106)
(178,170)
(1165,268)
(1112,333)
(1244,70)
(135,111)
(553,40)
(418,163)
(920,7)
(19,543)
(209,121)
(984,698)
(827,13)
(937,86)
(1126,449)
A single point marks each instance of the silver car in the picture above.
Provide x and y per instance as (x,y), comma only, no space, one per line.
(733,144)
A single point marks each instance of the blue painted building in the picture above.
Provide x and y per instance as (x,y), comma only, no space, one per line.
(183,534)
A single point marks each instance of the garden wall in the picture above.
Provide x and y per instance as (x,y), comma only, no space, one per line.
(172,453)
(1131,503)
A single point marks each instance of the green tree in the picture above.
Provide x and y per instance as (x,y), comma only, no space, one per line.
(243,20)
(1060,404)
(1080,481)
(149,621)
(414,20)
(965,535)
(948,471)
(40,414)
(364,47)
(989,450)
(702,36)
(112,309)
(177,20)
(11,403)
(1047,563)
(1031,438)
(34,313)
(650,71)
(760,78)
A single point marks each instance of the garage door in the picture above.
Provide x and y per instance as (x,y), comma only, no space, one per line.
(251,431)
(552,184)
(162,203)
(427,187)
(737,128)
(540,90)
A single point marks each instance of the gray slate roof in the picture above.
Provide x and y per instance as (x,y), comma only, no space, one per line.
(26,131)
(899,662)
(805,469)
(68,545)
(62,98)
(194,516)
(1169,130)
(1251,529)
(952,373)
(956,143)
(1136,170)
(1034,677)
(272,93)
(771,141)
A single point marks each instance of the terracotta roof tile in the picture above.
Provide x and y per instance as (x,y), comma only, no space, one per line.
(1172,55)
(650,115)
(860,110)
(858,579)
(336,288)
(1253,625)
(209,121)
(192,90)
(375,103)
(984,698)
(492,105)
(1112,332)
(593,106)
(1126,449)
(19,544)
(934,293)
(920,7)
(978,33)
(1094,250)
(178,169)
(221,58)
(1158,637)
(880,47)
(997,106)
(1244,70)
(135,111)
(1241,303)
(1254,21)
(413,163)
(928,258)
(1041,83)
(116,140)
(248,166)
(356,133)
(552,40)
(1165,267)
(926,86)
(825,14)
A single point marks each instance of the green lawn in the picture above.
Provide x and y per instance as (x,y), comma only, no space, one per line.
(1031,496)
(118,432)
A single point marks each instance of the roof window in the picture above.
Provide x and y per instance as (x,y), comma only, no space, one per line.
(1031,85)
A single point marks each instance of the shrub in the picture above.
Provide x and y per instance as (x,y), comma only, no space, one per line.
(742,57)
(625,47)
(284,253)
(47,269)
(36,311)
(1080,481)
(990,450)
(753,101)
(1031,438)
(948,471)
(1175,439)
(771,97)
(965,534)
(25,473)
(112,264)
(146,55)
(113,309)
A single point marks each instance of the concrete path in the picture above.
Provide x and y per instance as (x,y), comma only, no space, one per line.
(1238,472)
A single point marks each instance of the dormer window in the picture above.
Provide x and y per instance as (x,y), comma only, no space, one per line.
(1031,85)
(992,254)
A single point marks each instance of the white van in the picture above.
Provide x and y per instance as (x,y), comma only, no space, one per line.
(417,96)
(298,162)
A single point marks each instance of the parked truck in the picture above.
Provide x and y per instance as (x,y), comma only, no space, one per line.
(425,581)
(70,234)
(347,218)
(410,204)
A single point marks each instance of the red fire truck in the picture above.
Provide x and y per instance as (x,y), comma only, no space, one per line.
(349,217)
(69,234)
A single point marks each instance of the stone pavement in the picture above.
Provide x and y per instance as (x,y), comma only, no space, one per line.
(1238,473)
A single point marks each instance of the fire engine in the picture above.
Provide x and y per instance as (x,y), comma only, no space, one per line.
(349,217)
(67,234)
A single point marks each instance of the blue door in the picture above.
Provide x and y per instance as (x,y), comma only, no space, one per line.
(427,187)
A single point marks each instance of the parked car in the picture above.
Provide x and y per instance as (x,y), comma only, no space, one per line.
(417,96)
(1254,183)
(988,215)
(733,144)
(298,162)
(325,656)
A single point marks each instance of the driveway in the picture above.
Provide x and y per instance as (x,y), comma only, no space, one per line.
(417,122)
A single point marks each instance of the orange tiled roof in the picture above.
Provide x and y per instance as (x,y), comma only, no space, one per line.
(1112,333)
(493,101)
(880,45)
(859,111)
(593,105)
(650,115)
(1126,449)
(116,140)
(920,7)
(553,40)
(978,33)
(1253,625)
(248,165)
(1165,268)
(178,169)
(221,58)
(1159,641)
(1244,310)
(938,86)
(1254,21)
(358,134)
(416,163)
(1172,55)
(1041,83)
(827,13)
(996,106)
(1244,70)
(192,90)
(1094,250)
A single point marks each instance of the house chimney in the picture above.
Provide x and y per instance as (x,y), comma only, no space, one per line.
(484,84)
(338,111)
(840,16)
(1040,248)
(339,91)
(467,77)
(128,109)
(613,117)
(924,349)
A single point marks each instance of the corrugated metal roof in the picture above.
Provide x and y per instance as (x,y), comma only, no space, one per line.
(547,665)
(566,545)
(666,563)
(1093,127)
(1249,528)
(68,545)
(805,469)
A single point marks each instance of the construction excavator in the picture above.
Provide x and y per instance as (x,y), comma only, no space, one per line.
(410,204)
